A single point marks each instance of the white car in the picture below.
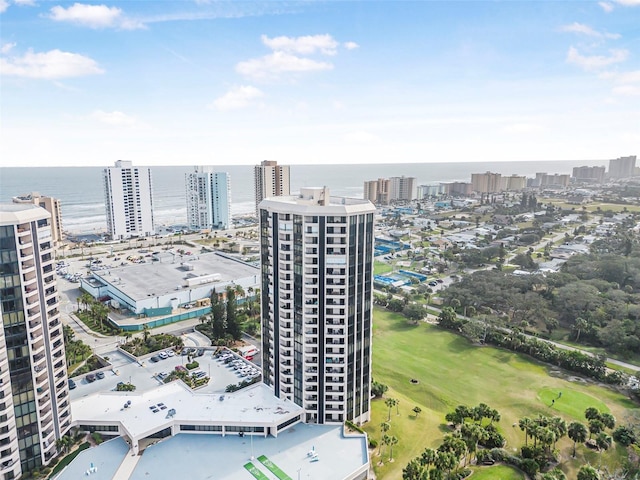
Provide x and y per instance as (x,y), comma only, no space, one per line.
(163,355)
(170,353)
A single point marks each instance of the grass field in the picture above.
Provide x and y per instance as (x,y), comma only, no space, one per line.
(502,472)
(450,372)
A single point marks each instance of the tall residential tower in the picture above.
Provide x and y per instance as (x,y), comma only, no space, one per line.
(208,199)
(128,197)
(34,396)
(271,180)
(317,275)
(51,205)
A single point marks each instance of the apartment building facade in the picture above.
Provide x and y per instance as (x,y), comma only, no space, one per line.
(34,395)
(208,199)
(317,284)
(271,180)
(128,192)
(51,205)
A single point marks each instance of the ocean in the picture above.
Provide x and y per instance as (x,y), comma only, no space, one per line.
(81,193)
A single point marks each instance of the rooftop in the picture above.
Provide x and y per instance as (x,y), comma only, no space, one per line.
(144,280)
(338,456)
(14,213)
(183,456)
(149,411)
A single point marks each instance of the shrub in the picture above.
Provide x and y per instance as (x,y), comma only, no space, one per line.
(373,443)
(624,436)
(192,365)
(378,389)
(96,438)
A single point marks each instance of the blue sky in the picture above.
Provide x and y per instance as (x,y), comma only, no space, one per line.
(235,82)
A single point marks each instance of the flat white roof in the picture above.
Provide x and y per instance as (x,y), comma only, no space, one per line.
(254,405)
(15,213)
(152,279)
(197,456)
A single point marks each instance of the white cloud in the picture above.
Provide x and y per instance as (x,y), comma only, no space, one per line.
(279,62)
(627,90)
(351,45)
(237,97)
(360,136)
(607,7)
(628,77)
(337,105)
(595,62)
(4,4)
(305,45)
(94,16)
(49,65)
(27,3)
(521,128)
(628,3)
(576,27)
(115,118)
(6,47)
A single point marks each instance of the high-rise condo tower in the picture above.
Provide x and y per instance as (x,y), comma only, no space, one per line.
(271,180)
(128,196)
(34,396)
(208,199)
(317,274)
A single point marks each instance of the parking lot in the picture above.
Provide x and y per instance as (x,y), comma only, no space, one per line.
(145,374)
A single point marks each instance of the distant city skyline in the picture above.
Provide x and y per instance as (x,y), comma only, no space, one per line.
(219,83)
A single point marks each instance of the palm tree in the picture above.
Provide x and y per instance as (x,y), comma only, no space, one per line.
(603,442)
(386,439)
(389,402)
(86,299)
(427,458)
(384,428)
(587,472)
(417,410)
(579,325)
(239,291)
(578,433)
(393,440)
(525,425)
(145,332)
(559,428)
(608,420)
(595,427)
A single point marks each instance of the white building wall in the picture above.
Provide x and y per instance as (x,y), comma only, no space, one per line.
(208,199)
(128,200)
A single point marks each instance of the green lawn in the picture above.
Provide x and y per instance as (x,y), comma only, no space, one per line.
(501,472)
(380,268)
(451,371)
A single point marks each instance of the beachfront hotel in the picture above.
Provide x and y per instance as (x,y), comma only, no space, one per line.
(271,180)
(317,264)
(128,193)
(34,397)
(208,199)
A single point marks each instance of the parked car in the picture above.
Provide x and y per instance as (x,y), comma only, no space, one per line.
(155,358)
(72,384)
(100,375)
(163,355)
(200,352)
(171,353)
(90,377)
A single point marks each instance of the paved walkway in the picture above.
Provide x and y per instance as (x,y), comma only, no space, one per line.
(128,465)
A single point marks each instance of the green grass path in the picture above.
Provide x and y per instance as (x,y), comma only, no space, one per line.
(255,471)
(273,468)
